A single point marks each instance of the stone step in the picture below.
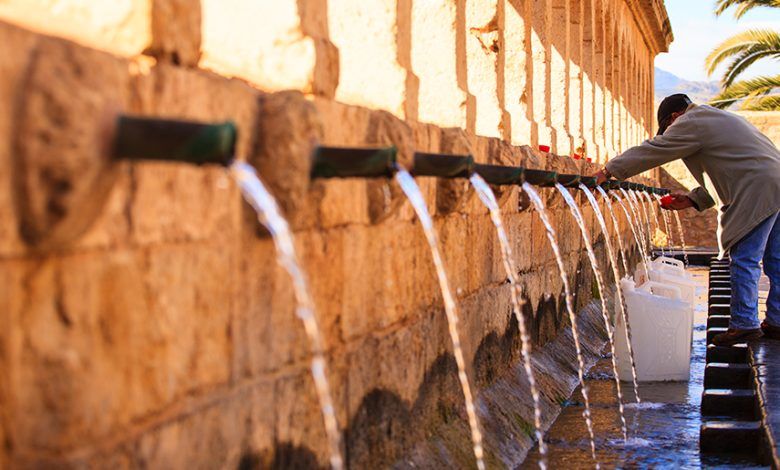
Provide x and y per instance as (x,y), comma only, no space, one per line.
(711,332)
(720,299)
(725,375)
(720,309)
(730,436)
(735,403)
(737,354)
(718,321)
(719,291)
(720,284)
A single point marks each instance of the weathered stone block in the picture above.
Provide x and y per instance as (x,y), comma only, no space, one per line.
(441,99)
(482,56)
(214,436)
(385,197)
(122,27)
(299,429)
(16,47)
(451,194)
(175,27)
(64,173)
(291,52)
(365,33)
(289,129)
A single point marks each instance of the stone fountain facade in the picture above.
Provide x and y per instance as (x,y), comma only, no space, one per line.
(157,331)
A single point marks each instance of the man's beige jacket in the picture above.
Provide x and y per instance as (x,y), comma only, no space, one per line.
(742,164)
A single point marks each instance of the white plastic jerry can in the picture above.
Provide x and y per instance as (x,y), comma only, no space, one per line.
(671,265)
(664,273)
(661,333)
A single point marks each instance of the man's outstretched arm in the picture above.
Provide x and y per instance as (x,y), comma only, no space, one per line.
(679,141)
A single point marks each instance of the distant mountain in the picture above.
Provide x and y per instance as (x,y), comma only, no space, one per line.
(667,83)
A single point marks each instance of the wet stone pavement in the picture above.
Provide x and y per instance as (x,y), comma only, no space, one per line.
(663,429)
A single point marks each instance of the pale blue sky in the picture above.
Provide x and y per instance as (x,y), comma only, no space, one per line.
(697,31)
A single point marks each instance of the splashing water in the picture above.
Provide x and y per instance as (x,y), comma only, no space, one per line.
(489,199)
(667,223)
(616,275)
(616,227)
(551,236)
(594,264)
(412,191)
(269,215)
(634,231)
(681,232)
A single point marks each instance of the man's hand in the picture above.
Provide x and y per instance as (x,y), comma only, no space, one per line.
(679,202)
(601,176)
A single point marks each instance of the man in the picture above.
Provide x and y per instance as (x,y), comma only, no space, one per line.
(743,167)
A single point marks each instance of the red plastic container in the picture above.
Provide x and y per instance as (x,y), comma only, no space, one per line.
(590,160)
(576,156)
(667,200)
(544,148)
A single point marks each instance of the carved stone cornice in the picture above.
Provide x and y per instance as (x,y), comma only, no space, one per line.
(653,21)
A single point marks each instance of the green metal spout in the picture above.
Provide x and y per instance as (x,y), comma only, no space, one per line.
(624,185)
(143,138)
(610,185)
(569,181)
(633,186)
(338,162)
(541,178)
(442,165)
(500,175)
(589,182)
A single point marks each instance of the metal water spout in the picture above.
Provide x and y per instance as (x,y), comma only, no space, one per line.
(198,143)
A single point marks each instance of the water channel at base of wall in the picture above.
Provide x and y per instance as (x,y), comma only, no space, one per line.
(664,428)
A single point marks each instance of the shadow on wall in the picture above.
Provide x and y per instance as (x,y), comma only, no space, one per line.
(433,430)
(700,227)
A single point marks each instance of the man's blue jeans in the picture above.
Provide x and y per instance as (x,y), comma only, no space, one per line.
(763,242)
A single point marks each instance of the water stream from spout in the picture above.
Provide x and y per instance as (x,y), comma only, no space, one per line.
(645,219)
(270,216)
(667,225)
(636,223)
(637,238)
(551,236)
(412,191)
(651,209)
(616,274)
(489,200)
(681,233)
(594,264)
(615,225)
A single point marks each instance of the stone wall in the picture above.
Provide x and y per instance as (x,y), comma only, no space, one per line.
(147,323)
(701,227)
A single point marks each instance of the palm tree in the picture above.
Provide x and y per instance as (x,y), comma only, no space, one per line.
(743,50)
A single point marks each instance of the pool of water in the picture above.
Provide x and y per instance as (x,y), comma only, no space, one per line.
(663,429)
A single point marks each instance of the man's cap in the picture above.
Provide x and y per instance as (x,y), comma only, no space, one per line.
(671,104)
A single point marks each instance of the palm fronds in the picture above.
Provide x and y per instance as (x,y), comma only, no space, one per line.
(743,6)
(744,49)
(754,93)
